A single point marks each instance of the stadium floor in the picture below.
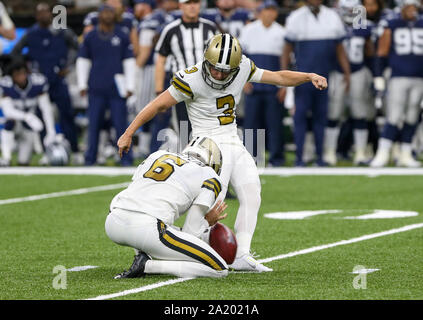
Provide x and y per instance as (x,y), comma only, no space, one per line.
(327,227)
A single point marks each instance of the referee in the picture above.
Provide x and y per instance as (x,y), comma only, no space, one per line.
(181,44)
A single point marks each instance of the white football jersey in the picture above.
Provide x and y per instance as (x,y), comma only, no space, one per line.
(167,184)
(212,111)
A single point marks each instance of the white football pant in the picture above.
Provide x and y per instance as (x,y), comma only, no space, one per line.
(172,251)
(239,168)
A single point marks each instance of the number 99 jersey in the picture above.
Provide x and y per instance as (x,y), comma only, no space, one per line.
(165,186)
(212,111)
(406,56)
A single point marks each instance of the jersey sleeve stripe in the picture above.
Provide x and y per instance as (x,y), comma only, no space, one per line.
(213,185)
(182,86)
(188,248)
(253,70)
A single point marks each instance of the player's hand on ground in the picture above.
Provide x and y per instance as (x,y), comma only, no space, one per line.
(124,143)
(216,213)
(319,82)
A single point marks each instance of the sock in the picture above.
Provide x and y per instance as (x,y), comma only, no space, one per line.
(246,218)
(406,148)
(183,269)
(360,139)
(384,144)
(7,143)
(331,138)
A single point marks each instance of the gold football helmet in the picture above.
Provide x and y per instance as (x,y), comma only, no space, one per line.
(205,150)
(223,53)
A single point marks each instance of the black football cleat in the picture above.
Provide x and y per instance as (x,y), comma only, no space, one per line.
(137,268)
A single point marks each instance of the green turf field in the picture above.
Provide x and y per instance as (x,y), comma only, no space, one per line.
(36,236)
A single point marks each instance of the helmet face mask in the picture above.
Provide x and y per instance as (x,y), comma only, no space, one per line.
(223,54)
(205,150)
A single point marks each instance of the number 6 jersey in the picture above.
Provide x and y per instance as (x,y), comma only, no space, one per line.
(167,184)
(212,111)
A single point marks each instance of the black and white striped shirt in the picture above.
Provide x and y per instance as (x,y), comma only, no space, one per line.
(184,42)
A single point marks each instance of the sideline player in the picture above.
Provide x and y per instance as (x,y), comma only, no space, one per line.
(357,45)
(22,95)
(165,186)
(212,90)
(401,47)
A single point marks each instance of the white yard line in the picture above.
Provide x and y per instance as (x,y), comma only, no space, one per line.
(65,193)
(136,290)
(283,256)
(283,171)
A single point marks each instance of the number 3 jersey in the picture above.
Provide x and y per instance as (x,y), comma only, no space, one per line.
(212,111)
(406,55)
(167,184)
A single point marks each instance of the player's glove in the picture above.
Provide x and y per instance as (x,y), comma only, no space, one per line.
(49,139)
(33,122)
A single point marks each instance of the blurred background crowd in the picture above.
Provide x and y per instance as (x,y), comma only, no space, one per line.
(74,74)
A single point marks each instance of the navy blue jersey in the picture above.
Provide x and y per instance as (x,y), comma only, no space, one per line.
(406,54)
(354,44)
(126,22)
(106,52)
(48,49)
(232,24)
(155,22)
(25,99)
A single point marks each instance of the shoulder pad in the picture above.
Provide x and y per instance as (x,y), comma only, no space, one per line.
(6,82)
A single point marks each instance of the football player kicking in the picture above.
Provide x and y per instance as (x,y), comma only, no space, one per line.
(211,90)
(165,186)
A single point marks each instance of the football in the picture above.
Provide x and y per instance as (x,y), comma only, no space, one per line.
(223,240)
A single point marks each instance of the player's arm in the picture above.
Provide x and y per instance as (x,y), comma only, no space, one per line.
(7,27)
(199,218)
(159,73)
(343,61)
(12,113)
(381,59)
(160,104)
(146,40)
(134,40)
(288,78)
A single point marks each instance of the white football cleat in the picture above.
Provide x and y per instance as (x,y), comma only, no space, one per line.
(406,160)
(380,160)
(360,158)
(330,157)
(248,263)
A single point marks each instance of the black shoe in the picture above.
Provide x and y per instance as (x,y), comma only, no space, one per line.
(137,268)
(230,195)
